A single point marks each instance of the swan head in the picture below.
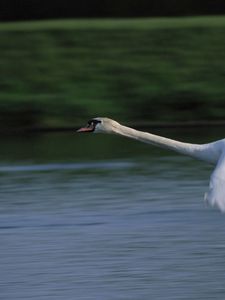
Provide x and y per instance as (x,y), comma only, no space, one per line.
(100,125)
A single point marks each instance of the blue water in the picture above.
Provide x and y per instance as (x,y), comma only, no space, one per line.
(96,220)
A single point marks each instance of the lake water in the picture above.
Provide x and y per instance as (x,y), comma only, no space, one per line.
(102,217)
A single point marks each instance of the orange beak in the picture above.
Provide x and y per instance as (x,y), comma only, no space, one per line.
(86,129)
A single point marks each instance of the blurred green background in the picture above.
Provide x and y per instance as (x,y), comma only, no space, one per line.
(60,73)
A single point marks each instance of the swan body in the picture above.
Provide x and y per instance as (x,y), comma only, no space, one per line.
(213,153)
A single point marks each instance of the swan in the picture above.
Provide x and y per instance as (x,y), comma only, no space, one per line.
(213,153)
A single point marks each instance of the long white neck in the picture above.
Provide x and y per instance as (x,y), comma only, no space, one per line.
(202,152)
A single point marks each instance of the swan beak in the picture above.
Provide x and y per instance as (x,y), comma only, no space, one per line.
(86,129)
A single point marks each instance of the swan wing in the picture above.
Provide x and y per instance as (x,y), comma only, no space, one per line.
(216,194)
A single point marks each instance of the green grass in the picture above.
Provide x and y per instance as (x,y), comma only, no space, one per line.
(115,24)
(57,73)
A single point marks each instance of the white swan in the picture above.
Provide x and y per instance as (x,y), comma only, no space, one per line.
(213,153)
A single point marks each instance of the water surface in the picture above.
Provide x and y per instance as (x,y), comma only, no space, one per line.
(103,217)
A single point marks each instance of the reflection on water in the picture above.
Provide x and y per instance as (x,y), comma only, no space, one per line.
(96,217)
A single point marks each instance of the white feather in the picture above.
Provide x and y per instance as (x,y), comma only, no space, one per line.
(216,194)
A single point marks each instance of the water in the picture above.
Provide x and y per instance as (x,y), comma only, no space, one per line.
(102,217)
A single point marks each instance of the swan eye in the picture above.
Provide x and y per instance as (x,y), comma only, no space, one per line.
(93,123)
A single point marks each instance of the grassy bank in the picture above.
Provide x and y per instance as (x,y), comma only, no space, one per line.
(59,73)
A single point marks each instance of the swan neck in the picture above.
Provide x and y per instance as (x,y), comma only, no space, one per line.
(193,150)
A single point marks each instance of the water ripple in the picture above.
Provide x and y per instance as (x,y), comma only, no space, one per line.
(105,165)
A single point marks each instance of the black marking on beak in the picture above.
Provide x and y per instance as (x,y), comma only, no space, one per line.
(90,126)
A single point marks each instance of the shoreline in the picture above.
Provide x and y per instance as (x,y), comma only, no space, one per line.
(136,125)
